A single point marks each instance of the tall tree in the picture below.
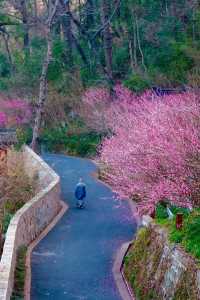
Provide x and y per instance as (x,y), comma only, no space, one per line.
(107,38)
(22,7)
(67,30)
(52,10)
(24,13)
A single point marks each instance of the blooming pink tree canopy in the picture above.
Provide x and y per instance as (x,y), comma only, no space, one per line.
(154,152)
(14,112)
(98,106)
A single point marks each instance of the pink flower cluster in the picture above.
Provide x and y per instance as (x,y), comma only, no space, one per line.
(14,112)
(154,152)
(98,107)
(3,119)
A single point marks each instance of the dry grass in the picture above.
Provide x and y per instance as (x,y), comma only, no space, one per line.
(17,189)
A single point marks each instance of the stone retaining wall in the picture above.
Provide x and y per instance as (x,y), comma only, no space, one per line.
(162,271)
(178,271)
(31,219)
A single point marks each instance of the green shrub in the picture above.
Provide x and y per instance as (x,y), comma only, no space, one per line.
(83,144)
(54,139)
(136,83)
(3,84)
(120,61)
(161,212)
(176,236)
(4,66)
(89,76)
(181,210)
(6,221)
(191,240)
(24,136)
(189,235)
(57,66)
(27,66)
(61,140)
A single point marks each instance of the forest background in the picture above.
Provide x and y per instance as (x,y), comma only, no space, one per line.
(137,43)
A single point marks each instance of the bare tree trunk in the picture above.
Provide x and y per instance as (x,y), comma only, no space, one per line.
(166,7)
(139,43)
(21,7)
(6,38)
(25,24)
(107,38)
(131,54)
(67,31)
(135,45)
(89,14)
(43,78)
(42,92)
(193,26)
(35,10)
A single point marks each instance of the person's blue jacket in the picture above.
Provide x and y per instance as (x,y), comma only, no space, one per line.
(80,191)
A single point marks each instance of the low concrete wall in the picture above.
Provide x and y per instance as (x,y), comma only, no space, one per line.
(31,219)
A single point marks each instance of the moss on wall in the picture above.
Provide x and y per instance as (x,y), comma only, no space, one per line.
(20,273)
(187,286)
(150,259)
(141,264)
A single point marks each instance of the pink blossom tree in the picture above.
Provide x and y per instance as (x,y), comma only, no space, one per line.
(154,153)
(95,103)
(14,112)
(98,108)
(3,119)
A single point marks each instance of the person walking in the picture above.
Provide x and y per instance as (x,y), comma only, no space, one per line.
(80,193)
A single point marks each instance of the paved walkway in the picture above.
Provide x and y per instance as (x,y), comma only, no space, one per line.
(74,261)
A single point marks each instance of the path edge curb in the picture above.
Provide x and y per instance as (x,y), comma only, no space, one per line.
(120,280)
(27,284)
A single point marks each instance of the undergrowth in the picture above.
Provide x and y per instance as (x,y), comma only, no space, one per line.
(189,236)
(136,264)
(18,189)
(72,142)
(20,273)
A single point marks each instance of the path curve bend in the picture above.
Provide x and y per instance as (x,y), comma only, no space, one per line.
(74,261)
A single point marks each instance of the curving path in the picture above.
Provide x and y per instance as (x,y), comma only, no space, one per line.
(74,261)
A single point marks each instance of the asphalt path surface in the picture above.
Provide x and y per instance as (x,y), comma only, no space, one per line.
(74,261)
